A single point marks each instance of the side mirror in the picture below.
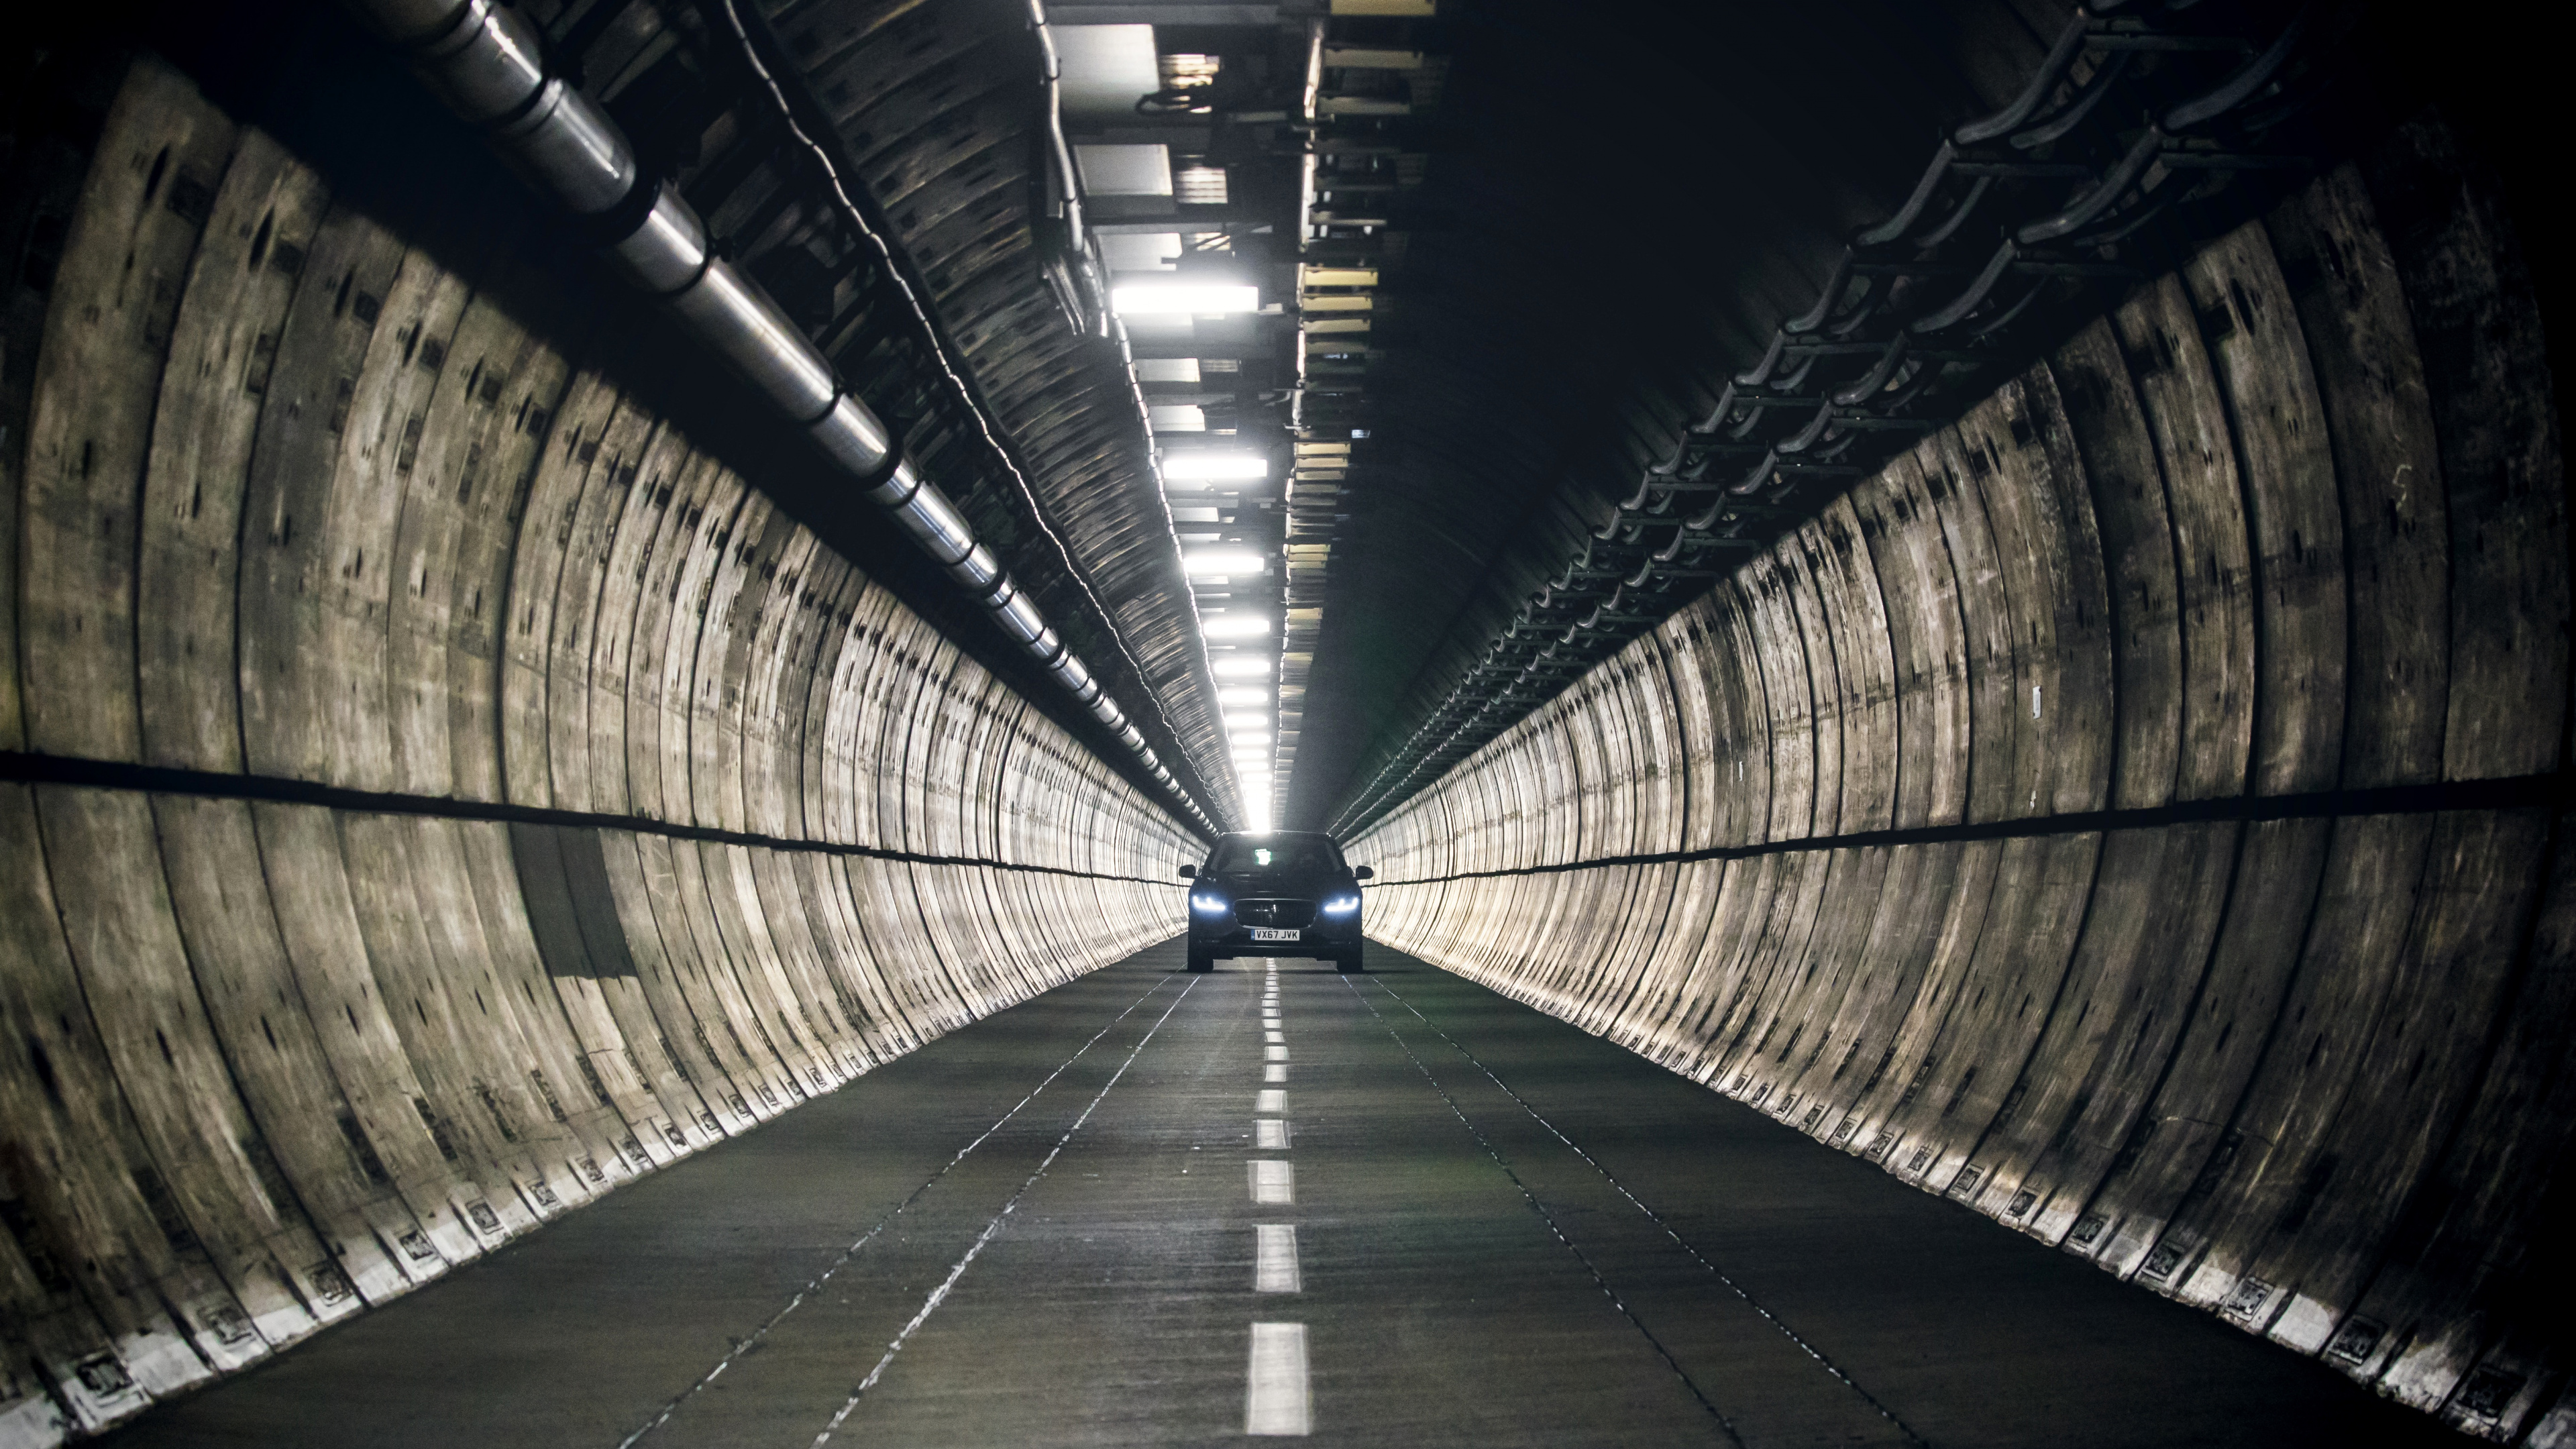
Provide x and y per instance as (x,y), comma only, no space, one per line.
(1189,872)
(1363,873)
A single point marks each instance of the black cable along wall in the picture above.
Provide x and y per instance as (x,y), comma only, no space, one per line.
(2136,812)
(441,791)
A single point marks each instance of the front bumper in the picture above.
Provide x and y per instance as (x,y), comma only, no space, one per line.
(1328,935)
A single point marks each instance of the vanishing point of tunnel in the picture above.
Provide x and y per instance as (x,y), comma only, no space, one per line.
(1406,722)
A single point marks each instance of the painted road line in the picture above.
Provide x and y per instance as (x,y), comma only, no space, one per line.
(1274,1073)
(1274,1259)
(984,1239)
(1275,1399)
(1270,1101)
(758,1337)
(1270,1134)
(1273,1181)
(1274,1054)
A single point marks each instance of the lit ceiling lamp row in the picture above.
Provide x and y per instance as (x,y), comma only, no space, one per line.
(1234,637)
(1248,708)
(1249,735)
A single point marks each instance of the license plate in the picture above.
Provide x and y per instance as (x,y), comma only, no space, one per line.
(1265,933)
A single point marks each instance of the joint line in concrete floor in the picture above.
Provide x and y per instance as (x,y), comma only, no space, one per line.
(1791,1334)
(983,1239)
(796,1301)
(1723,1422)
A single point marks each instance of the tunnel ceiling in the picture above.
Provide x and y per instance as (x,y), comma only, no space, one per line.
(1560,276)
(1563,232)
(1527,248)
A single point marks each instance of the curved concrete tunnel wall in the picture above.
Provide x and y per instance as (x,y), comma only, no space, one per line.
(2121,813)
(464,793)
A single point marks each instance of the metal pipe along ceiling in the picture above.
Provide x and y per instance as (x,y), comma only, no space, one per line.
(486,64)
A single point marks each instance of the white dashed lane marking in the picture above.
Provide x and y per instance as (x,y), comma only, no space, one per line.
(1273,1181)
(1275,1401)
(1274,1260)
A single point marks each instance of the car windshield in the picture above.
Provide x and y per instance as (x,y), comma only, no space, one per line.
(1293,854)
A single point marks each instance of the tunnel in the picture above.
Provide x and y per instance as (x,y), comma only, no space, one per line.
(1932,638)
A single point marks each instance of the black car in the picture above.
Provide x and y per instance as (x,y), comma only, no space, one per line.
(1276,893)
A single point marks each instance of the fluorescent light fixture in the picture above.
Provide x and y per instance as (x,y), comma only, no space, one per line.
(1148,299)
(1243,694)
(1235,626)
(1135,170)
(1221,561)
(1247,721)
(1248,668)
(1209,464)
(1103,67)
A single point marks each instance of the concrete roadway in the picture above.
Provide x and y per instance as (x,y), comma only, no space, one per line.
(1504,1232)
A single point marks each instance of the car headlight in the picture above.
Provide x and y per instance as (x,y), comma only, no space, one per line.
(1207,904)
(1342,905)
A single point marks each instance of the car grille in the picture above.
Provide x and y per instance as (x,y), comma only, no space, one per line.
(1275,913)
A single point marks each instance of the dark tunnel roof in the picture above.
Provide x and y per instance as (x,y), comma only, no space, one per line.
(1629,200)
(1618,208)
(1615,211)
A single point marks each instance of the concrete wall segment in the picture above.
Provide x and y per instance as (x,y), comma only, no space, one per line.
(2108,427)
(116,290)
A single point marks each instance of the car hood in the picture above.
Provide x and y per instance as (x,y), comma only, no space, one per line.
(1316,884)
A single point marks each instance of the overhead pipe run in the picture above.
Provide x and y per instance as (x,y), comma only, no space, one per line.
(487,64)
